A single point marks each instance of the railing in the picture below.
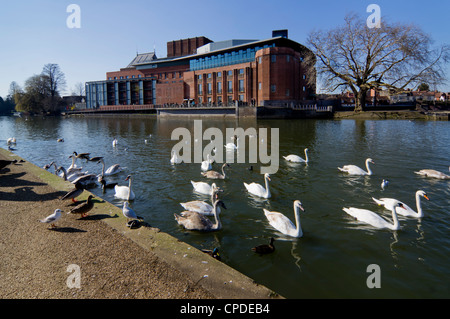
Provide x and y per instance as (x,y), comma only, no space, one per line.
(312,107)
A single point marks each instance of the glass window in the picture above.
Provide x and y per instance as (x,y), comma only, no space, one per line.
(287,92)
(200,89)
(199,77)
(230,73)
(241,71)
(219,87)
(273,88)
(273,58)
(241,97)
(259,86)
(287,58)
(209,88)
(230,86)
(219,74)
(241,85)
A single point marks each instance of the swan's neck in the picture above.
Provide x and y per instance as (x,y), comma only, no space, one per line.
(129,188)
(395,225)
(103,167)
(297,221)
(223,171)
(73,162)
(419,206)
(369,171)
(217,224)
(306,156)
(64,173)
(267,187)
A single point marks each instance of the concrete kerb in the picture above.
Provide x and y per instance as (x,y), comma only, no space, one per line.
(221,280)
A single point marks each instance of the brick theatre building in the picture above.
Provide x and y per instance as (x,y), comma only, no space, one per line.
(198,71)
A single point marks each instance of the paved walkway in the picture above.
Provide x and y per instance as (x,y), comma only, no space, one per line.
(35,259)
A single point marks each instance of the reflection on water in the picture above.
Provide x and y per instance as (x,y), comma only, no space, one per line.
(332,257)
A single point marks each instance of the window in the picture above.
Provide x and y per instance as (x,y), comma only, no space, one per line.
(200,89)
(219,87)
(304,77)
(241,85)
(260,60)
(287,92)
(241,97)
(259,85)
(273,88)
(209,88)
(304,89)
(230,99)
(230,86)
(219,74)
(219,99)
(209,75)
(199,76)
(230,73)
(287,58)
(273,58)
(241,71)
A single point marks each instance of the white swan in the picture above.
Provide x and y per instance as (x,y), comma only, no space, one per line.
(175,159)
(433,173)
(112,170)
(373,219)
(73,168)
(202,207)
(407,211)
(203,188)
(232,146)
(355,170)
(257,189)
(124,192)
(206,165)
(296,158)
(84,178)
(283,224)
(196,221)
(114,142)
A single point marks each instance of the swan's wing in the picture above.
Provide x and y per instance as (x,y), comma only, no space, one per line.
(294,158)
(279,222)
(198,206)
(193,221)
(367,217)
(255,188)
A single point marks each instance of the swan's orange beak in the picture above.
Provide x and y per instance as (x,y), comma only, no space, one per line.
(426,197)
(401,205)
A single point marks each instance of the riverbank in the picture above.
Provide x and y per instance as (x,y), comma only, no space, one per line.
(114,260)
(393,115)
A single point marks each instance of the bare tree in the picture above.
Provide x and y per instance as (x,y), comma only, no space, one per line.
(359,58)
(78,89)
(56,78)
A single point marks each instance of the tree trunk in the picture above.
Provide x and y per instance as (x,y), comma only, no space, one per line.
(360,101)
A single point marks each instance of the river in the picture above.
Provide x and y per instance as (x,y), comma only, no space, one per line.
(335,256)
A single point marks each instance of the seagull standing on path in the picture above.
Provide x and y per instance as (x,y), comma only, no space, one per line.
(52,218)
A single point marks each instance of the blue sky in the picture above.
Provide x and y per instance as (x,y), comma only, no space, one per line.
(34,32)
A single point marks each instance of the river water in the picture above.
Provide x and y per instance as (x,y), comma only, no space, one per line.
(333,258)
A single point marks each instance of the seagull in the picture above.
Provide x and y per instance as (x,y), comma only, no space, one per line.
(128,212)
(52,218)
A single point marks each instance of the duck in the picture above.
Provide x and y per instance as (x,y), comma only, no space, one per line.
(214,174)
(195,221)
(203,188)
(202,207)
(75,192)
(124,192)
(296,158)
(283,224)
(213,253)
(355,170)
(82,155)
(11,140)
(175,159)
(258,190)
(52,218)
(206,165)
(406,210)
(60,140)
(83,208)
(265,248)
